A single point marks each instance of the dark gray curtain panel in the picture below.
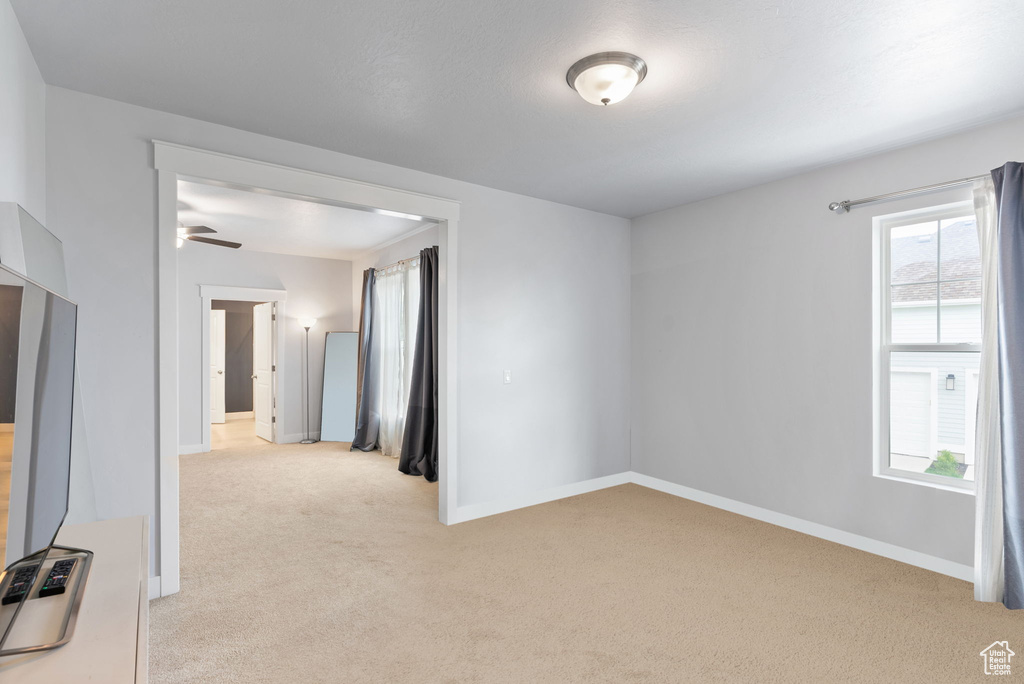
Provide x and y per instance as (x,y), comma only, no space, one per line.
(367,375)
(419,444)
(1009,187)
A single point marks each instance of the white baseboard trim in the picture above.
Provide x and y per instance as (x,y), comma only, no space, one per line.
(482,510)
(186,449)
(154,587)
(856,541)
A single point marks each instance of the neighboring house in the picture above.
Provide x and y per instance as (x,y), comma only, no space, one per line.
(932,411)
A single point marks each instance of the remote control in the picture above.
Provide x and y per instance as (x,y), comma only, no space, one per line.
(58,578)
(20,584)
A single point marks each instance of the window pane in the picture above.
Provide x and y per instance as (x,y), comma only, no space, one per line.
(933,399)
(960,253)
(961,311)
(914,253)
(914,317)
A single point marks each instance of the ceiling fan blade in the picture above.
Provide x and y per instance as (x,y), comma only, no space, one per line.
(213,241)
(195,230)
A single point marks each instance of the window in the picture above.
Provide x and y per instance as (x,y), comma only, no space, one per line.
(396,312)
(929,345)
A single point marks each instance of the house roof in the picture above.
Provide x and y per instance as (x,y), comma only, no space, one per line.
(916,259)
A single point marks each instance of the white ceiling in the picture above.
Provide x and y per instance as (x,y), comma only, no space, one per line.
(737,92)
(283,225)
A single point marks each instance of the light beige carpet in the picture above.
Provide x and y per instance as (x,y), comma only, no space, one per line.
(313,564)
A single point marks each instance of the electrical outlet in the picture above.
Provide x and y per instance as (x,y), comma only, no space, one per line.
(508,377)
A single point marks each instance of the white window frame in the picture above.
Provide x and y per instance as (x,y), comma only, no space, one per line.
(972,378)
(882,310)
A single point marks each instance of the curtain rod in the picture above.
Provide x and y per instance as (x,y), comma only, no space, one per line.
(398,263)
(840,207)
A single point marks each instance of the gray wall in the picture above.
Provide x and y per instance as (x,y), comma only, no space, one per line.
(237,354)
(319,288)
(22,120)
(543,290)
(752,345)
(238,362)
(10,330)
(23,181)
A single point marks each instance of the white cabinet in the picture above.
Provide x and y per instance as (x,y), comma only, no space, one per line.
(111,639)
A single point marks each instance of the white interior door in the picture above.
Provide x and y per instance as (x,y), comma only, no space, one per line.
(217,343)
(263,369)
(914,429)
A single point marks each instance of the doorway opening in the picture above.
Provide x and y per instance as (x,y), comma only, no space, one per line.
(240,375)
(175,163)
(242,400)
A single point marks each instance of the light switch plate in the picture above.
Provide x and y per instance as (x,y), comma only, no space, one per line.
(508,377)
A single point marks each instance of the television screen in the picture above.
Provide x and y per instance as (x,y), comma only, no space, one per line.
(37,371)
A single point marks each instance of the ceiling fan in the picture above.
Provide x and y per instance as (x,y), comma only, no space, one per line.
(195,234)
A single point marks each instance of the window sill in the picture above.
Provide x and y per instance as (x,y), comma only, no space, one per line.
(900,476)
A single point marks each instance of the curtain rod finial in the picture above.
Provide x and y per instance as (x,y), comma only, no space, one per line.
(837,207)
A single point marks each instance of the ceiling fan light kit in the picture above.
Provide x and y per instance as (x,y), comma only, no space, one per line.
(606,77)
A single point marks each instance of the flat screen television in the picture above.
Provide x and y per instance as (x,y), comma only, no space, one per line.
(37,374)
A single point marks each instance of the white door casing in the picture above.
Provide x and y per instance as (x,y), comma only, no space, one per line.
(263,369)
(210,293)
(218,342)
(173,161)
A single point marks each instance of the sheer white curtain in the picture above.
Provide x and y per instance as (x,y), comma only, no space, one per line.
(988,518)
(397,295)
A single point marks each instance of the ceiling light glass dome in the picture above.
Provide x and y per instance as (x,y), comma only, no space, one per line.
(607,77)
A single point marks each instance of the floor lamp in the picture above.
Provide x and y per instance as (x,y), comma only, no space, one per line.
(307,323)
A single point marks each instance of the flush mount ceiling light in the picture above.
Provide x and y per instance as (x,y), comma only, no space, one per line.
(607,77)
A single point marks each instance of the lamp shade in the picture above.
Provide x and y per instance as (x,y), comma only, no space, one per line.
(307,322)
(607,77)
